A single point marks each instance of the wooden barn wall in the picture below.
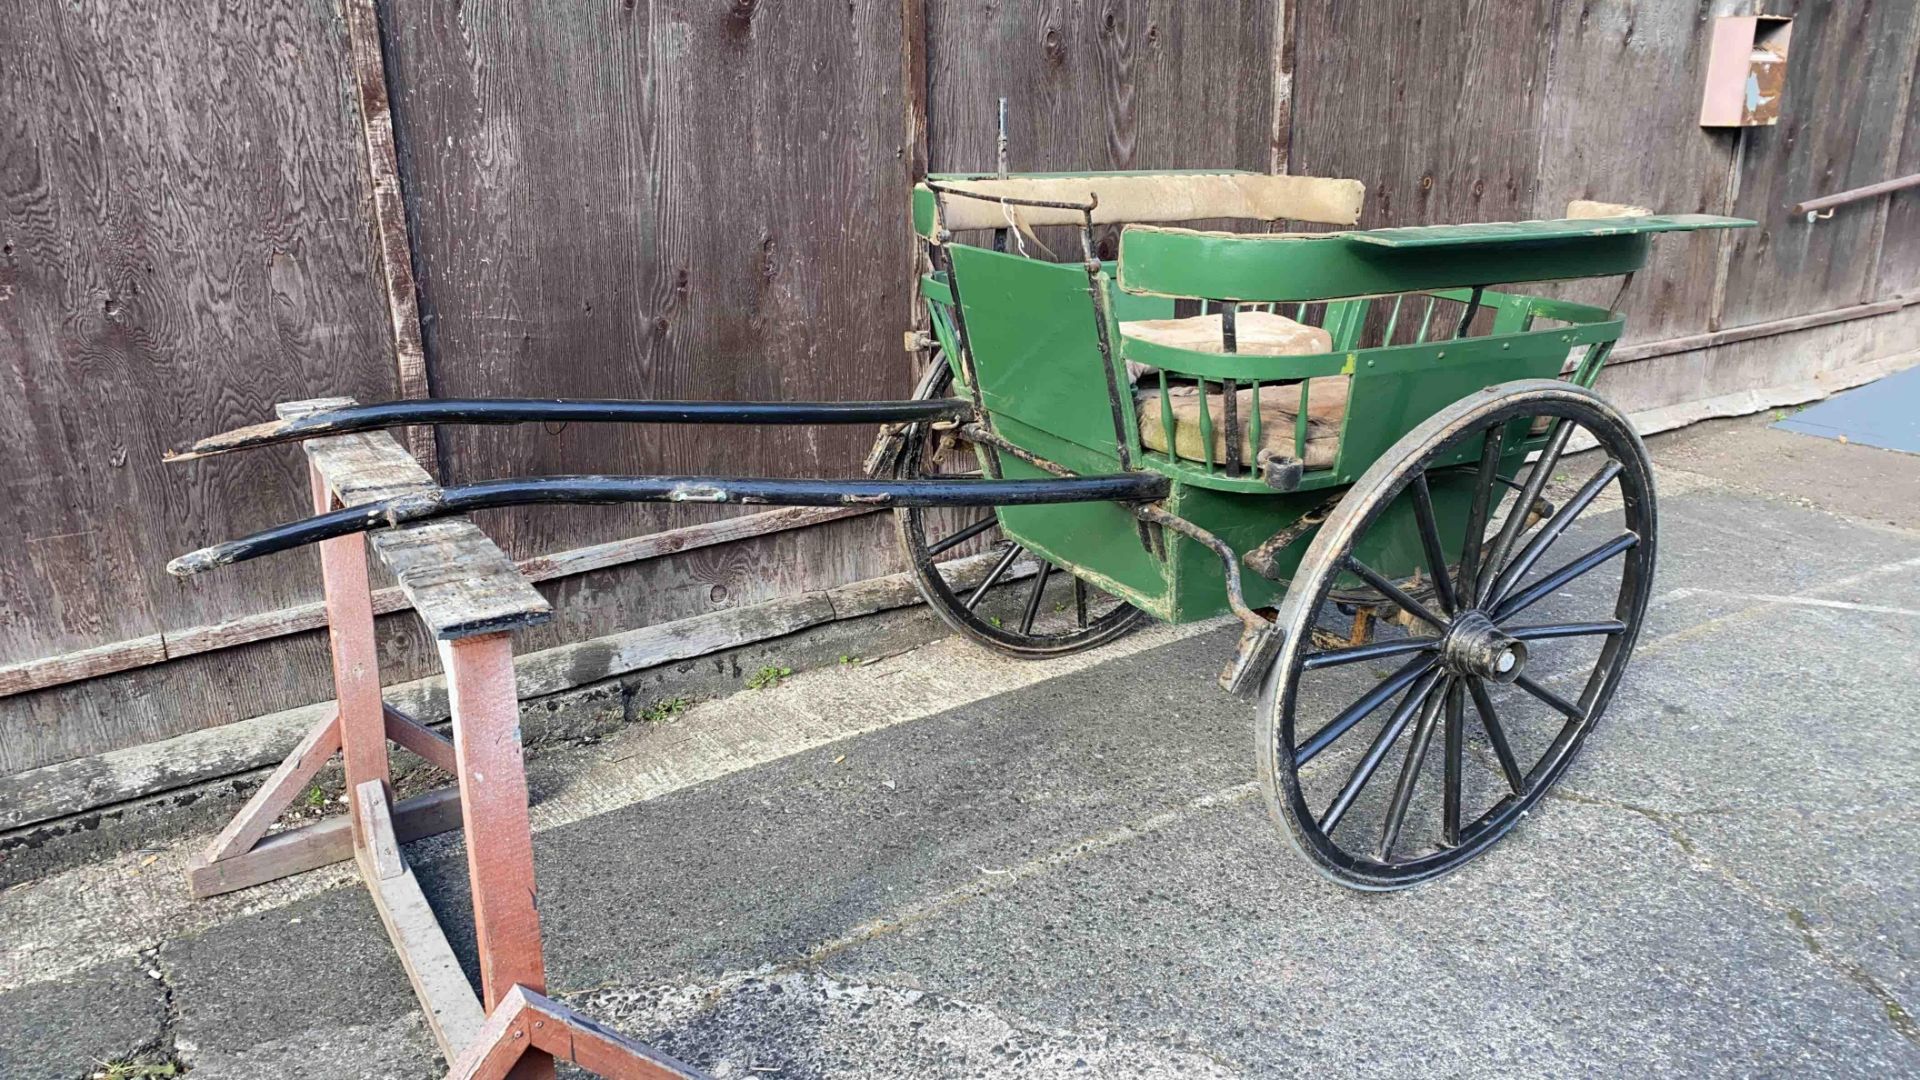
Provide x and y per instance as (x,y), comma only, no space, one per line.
(706,198)
(679,199)
(184,244)
(1847,100)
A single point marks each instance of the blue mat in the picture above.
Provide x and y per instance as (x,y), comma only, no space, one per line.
(1884,414)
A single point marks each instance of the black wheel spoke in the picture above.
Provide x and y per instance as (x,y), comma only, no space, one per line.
(1497,735)
(1430,540)
(1455,751)
(1395,593)
(1034,597)
(957,599)
(1373,651)
(1550,532)
(1516,522)
(964,535)
(1359,710)
(1369,763)
(994,575)
(1548,631)
(1558,703)
(1511,594)
(1557,580)
(1410,769)
(1477,514)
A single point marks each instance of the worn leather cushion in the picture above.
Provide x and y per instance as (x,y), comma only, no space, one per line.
(1256,333)
(1279,405)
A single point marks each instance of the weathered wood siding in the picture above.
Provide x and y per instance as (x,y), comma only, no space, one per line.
(184,243)
(706,198)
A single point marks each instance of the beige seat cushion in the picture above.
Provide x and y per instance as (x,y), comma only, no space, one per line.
(1256,333)
(1279,405)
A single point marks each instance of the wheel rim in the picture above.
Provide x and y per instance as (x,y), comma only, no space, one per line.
(1484,680)
(981,582)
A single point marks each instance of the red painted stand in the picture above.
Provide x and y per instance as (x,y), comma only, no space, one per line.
(470,596)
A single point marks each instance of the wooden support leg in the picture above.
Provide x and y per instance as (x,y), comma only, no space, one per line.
(452,1009)
(273,795)
(493,801)
(356,658)
(526,1020)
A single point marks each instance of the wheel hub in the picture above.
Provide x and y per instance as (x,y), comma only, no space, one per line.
(1473,645)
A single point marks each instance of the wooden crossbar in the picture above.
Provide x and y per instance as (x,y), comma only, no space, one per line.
(470,596)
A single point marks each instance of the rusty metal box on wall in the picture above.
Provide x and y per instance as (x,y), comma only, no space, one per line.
(1746,71)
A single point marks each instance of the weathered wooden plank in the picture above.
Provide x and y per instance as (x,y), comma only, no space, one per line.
(177,257)
(493,804)
(457,580)
(460,582)
(1619,123)
(378,851)
(82,664)
(669,200)
(432,747)
(178,644)
(1160,84)
(199,691)
(1443,125)
(1846,102)
(257,816)
(321,844)
(446,998)
(572,1036)
(390,219)
(1899,264)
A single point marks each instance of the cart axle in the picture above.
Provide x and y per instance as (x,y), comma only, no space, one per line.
(1473,645)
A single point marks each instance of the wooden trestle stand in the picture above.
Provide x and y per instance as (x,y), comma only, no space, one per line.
(470,596)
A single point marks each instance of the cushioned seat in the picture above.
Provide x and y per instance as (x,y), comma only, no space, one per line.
(1279,405)
(1256,333)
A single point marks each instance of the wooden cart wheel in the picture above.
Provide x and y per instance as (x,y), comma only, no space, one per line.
(1512,661)
(982,583)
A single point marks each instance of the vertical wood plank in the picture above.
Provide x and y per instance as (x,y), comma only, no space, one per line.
(356,658)
(675,199)
(1619,123)
(1435,106)
(493,804)
(393,246)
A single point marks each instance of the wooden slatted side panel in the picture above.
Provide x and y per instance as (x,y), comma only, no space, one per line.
(1848,96)
(182,243)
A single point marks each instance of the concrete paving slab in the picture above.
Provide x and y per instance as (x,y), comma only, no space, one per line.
(933,867)
(113,1012)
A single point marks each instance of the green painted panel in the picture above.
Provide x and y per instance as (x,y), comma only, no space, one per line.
(1031,327)
(1265,268)
(1517,232)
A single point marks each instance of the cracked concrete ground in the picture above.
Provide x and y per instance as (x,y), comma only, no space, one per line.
(947,864)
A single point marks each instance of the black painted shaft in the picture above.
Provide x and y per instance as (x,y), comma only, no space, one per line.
(391,414)
(447,502)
